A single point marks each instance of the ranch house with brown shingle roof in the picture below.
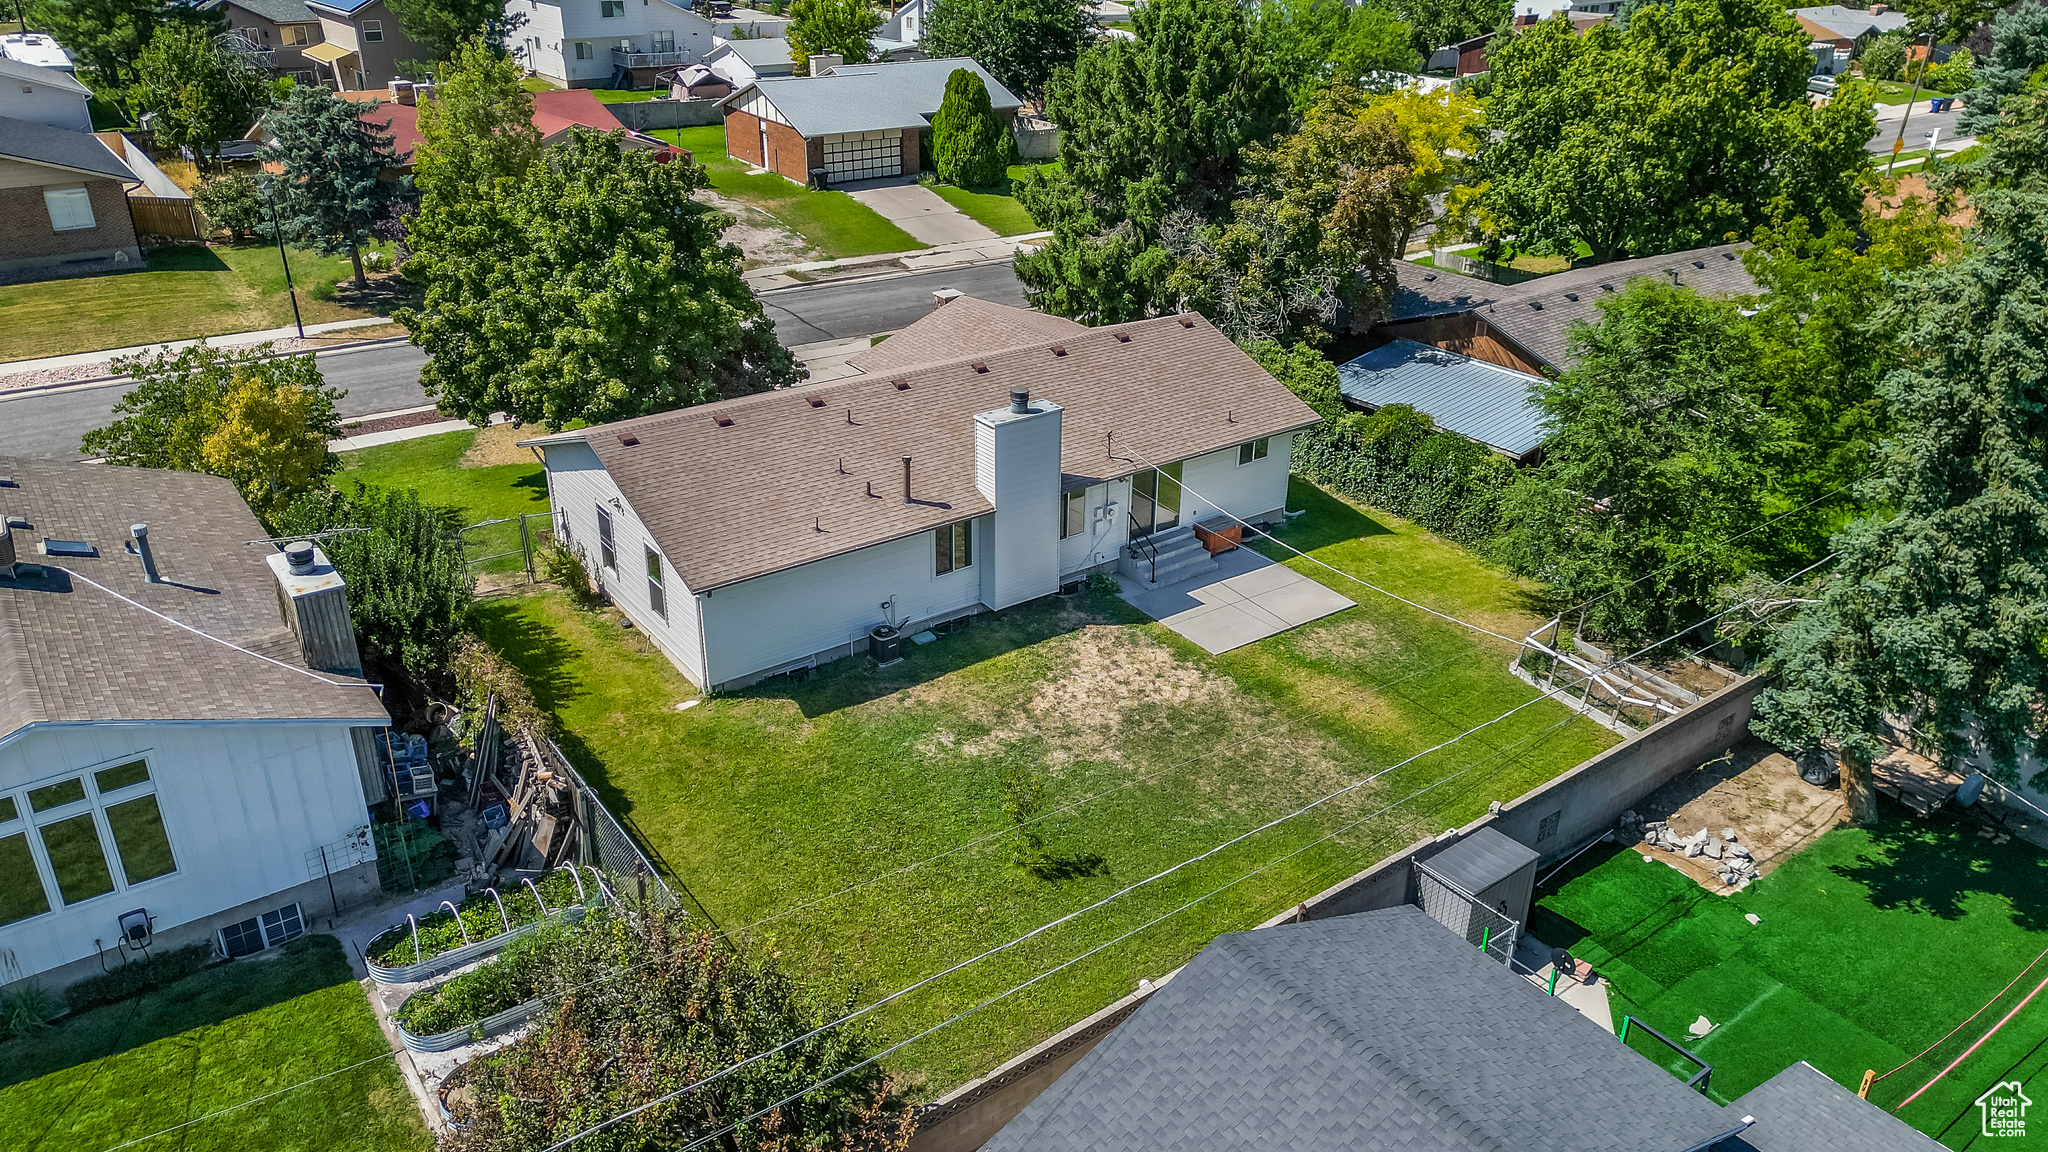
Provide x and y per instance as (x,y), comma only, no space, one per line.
(986,456)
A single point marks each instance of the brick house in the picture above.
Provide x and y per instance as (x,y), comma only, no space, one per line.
(63,199)
(856,121)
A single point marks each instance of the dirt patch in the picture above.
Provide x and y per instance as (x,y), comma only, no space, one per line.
(498,444)
(1754,789)
(763,240)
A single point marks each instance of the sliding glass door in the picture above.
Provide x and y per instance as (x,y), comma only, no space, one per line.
(1155,499)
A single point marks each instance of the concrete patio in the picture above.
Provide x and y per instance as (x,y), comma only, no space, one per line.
(1247,598)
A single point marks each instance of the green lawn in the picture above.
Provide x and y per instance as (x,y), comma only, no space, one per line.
(212,1040)
(996,208)
(833,222)
(764,800)
(480,491)
(182,292)
(1869,946)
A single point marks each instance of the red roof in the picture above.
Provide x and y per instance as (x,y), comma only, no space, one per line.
(566,107)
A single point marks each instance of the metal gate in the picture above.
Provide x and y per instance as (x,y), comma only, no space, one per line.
(1466,914)
(863,156)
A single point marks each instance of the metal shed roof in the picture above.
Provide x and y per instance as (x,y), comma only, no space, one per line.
(1475,399)
(1481,860)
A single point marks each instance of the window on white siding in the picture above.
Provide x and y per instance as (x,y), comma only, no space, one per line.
(1256,450)
(611,8)
(955,547)
(70,208)
(662,41)
(657,596)
(606,557)
(99,831)
(583,49)
(373,31)
(1073,514)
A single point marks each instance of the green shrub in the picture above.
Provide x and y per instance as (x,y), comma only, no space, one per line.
(1958,73)
(1885,58)
(439,933)
(27,1009)
(971,147)
(566,565)
(513,978)
(233,204)
(1395,460)
(139,976)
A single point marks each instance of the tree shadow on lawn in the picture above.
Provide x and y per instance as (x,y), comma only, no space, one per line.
(206,998)
(986,636)
(1933,865)
(540,654)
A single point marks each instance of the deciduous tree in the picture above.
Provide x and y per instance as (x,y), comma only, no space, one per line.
(332,187)
(1310,43)
(262,421)
(1444,131)
(971,147)
(599,290)
(1673,134)
(840,28)
(201,94)
(439,26)
(108,36)
(1437,23)
(1020,42)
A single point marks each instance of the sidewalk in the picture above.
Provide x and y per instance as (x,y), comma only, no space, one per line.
(954,255)
(83,367)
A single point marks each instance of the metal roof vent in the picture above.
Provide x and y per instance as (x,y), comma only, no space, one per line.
(298,556)
(904,385)
(1572,296)
(1187,322)
(1059,349)
(141,534)
(979,367)
(1123,337)
(1020,401)
(1536,304)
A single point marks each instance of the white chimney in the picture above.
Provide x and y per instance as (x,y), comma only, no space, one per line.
(1017,467)
(823,62)
(401,91)
(943,297)
(314,601)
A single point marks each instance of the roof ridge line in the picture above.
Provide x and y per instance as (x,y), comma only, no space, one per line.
(1376,1057)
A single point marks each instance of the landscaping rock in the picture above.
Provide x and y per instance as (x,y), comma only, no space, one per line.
(1712,847)
(1696,846)
(1728,834)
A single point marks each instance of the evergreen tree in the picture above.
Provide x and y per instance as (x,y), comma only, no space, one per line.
(971,147)
(333,161)
(1020,42)
(2019,48)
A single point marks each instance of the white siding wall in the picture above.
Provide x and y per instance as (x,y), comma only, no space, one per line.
(577,485)
(541,36)
(1017,466)
(1242,490)
(779,619)
(1109,526)
(44,104)
(243,805)
(758,105)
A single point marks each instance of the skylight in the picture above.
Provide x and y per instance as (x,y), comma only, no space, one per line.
(68,548)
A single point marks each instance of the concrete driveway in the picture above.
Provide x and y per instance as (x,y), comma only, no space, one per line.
(1247,598)
(918,210)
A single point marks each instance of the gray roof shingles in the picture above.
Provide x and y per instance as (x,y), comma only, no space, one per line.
(275,11)
(61,148)
(1379,1032)
(1538,314)
(1169,388)
(870,97)
(1802,1110)
(1472,398)
(72,653)
(1481,860)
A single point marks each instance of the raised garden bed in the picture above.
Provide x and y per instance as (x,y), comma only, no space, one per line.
(482,1002)
(412,951)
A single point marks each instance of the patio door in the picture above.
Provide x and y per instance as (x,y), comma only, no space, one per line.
(1155,499)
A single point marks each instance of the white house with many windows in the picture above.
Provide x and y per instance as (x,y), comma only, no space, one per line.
(985,456)
(609,43)
(180,718)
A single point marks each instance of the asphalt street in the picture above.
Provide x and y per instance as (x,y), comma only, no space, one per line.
(1918,125)
(385,377)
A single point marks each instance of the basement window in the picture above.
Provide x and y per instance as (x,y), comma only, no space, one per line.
(266,931)
(1256,450)
(953,547)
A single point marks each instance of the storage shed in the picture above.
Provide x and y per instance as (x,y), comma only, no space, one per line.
(1489,868)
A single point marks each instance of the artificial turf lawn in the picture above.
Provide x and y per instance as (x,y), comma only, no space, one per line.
(764,800)
(432,465)
(183,291)
(215,1039)
(833,222)
(1869,946)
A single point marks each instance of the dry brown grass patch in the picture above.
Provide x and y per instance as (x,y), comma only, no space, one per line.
(497,444)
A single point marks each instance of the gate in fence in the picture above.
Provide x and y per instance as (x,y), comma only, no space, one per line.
(504,545)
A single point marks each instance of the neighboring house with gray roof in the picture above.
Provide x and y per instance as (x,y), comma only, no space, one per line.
(183,724)
(744,61)
(43,96)
(1472,398)
(278,32)
(1849,29)
(1377,1032)
(992,457)
(855,121)
(63,202)
(1801,1110)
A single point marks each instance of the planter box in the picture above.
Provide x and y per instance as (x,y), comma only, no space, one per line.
(446,962)
(469,1034)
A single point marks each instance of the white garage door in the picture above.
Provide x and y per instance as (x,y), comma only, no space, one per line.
(863,155)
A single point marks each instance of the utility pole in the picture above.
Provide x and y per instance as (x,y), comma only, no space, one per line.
(270,193)
(1919,74)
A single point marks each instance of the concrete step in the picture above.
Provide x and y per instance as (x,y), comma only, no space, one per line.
(1180,557)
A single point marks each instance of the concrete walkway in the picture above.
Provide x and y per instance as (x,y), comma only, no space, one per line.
(1248,598)
(918,210)
(228,340)
(955,255)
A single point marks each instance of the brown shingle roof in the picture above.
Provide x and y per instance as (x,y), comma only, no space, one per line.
(962,325)
(786,482)
(70,652)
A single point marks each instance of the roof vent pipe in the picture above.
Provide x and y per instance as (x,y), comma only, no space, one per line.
(1020,401)
(141,534)
(906,479)
(299,556)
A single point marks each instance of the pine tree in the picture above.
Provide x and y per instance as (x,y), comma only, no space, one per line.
(971,148)
(332,186)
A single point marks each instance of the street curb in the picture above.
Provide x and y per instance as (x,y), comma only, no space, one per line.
(91,381)
(887,274)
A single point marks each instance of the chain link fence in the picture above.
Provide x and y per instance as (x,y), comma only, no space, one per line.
(505,546)
(1468,916)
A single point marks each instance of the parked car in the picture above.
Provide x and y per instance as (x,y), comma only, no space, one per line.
(1822,85)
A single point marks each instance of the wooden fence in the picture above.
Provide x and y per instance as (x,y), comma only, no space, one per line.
(163,216)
